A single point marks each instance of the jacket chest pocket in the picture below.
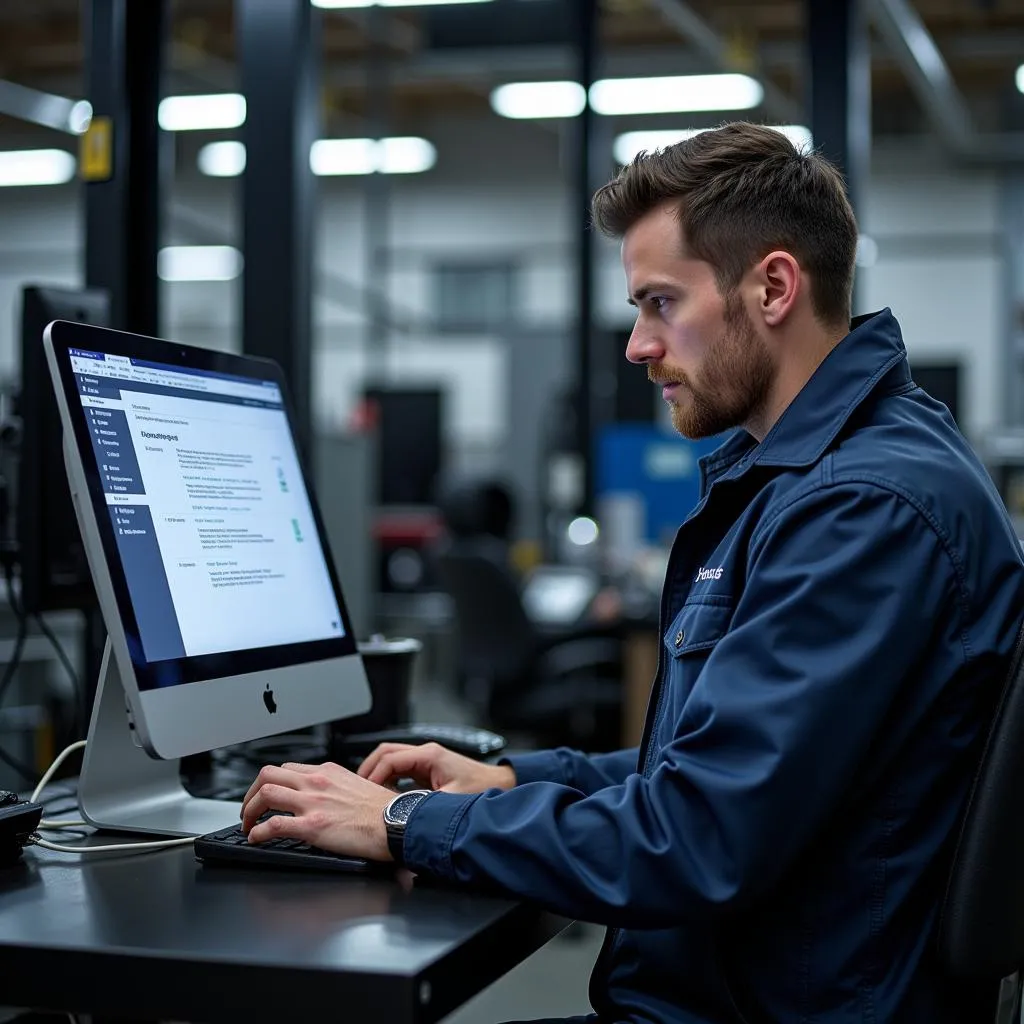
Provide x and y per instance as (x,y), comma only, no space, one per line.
(700,624)
(689,640)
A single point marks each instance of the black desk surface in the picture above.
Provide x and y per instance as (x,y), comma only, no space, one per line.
(157,936)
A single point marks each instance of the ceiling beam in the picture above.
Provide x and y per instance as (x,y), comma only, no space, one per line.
(42,108)
(682,17)
(487,67)
(930,79)
(926,70)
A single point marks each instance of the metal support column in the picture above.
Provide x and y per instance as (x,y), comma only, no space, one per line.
(123,46)
(378,197)
(586,26)
(279,47)
(839,88)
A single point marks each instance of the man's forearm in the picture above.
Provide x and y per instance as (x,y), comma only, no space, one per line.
(587,773)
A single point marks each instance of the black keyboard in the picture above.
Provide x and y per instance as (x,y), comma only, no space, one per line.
(231,846)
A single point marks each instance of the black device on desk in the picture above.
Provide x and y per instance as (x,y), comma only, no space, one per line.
(18,820)
(463,739)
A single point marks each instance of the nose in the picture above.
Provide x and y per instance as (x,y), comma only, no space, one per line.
(643,345)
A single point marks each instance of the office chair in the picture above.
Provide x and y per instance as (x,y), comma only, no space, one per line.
(472,508)
(560,688)
(981,926)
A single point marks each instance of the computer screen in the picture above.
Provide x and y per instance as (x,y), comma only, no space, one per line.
(559,595)
(204,540)
(54,574)
(208,507)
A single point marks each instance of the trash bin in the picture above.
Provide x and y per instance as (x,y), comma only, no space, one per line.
(389,667)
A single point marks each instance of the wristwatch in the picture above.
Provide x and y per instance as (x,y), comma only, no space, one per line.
(396,815)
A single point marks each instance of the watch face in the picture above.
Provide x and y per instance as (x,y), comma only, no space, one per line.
(401,808)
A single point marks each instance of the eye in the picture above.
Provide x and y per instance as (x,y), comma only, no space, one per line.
(658,302)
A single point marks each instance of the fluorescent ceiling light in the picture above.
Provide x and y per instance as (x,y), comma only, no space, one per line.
(80,117)
(614,96)
(1020,78)
(405,155)
(343,156)
(798,134)
(629,144)
(198,263)
(222,159)
(201,113)
(399,155)
(530,100)
(867,251)
(336,4)
(36,167)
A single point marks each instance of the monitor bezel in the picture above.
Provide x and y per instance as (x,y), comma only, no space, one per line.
(64,336)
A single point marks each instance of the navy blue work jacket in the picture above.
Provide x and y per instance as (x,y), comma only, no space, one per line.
(837,618)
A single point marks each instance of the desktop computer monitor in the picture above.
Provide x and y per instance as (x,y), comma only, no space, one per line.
(53,570)
(225,619)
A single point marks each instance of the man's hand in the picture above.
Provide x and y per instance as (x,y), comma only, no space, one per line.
(432,766)
(332,808)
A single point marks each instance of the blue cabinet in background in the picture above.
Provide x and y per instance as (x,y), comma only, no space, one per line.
(657,467)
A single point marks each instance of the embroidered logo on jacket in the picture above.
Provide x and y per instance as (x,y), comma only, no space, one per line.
(708,574)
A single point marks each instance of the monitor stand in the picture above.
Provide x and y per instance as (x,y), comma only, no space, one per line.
(123,789)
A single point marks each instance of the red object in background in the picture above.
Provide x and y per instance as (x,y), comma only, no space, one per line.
(365,416)
(412,529)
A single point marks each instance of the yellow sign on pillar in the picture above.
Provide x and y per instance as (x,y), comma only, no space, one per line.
(96,151)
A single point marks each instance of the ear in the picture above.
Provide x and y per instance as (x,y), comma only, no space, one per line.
(779,285)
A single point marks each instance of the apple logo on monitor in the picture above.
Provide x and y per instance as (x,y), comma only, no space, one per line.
(268,699)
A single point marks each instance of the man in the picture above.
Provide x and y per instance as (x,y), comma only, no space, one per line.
(838,616)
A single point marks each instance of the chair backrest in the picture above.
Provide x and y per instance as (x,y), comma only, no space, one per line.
(497,641)
(477,508)
(981,928)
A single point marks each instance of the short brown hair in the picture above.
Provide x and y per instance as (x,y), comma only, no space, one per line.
(744,190)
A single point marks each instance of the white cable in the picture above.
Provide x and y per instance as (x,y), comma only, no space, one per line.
(35,840)
(114,848)
(58,761)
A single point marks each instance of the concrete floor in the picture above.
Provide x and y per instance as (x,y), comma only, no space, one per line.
(552,983)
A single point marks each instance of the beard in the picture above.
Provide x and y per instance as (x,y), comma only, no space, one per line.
(730,388)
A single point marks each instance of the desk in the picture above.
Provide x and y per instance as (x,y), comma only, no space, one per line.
(157,936)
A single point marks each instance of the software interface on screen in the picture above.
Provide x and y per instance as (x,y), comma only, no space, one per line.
(206,499)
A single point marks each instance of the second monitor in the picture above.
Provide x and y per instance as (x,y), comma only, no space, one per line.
(54,573)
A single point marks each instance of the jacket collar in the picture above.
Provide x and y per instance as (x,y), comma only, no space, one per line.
(873,351)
